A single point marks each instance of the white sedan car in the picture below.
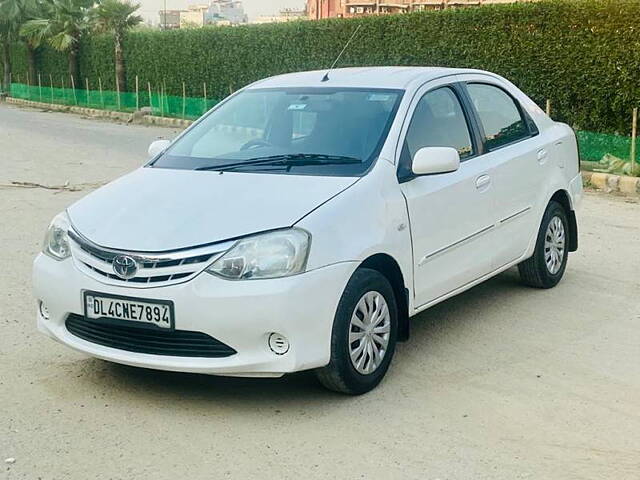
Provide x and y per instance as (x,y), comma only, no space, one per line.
(301,222)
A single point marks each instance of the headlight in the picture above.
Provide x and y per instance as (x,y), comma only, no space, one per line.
(274,254)
(56,241)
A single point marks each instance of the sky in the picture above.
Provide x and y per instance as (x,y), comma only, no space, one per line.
(149,8)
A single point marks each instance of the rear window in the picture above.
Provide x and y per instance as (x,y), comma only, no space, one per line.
(500,115)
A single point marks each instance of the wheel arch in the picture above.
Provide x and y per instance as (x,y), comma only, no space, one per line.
(564,199)
(386,265)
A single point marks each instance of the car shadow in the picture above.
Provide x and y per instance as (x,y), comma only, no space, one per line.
(428,330)
(476,304)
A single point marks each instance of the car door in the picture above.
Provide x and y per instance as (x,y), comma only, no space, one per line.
(451,214)
(518,155)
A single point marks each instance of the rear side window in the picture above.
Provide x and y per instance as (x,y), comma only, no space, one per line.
(500,116)
(438,121)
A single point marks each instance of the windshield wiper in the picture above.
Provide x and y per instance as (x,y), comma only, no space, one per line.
(287,160)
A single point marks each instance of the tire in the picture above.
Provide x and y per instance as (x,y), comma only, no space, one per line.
(343,374)
(536,271)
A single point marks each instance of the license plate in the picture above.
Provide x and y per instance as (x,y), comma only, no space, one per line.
(142,311)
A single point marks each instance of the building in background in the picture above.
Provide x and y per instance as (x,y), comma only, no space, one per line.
(169,19)
(293,14)
(216,12)
(222,12)
(352,8)
(285,15)
(193,16)
(317,9)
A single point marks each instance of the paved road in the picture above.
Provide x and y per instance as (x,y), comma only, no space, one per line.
(502,382)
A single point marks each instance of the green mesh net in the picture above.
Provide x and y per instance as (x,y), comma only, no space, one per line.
(596,146)
(161,105)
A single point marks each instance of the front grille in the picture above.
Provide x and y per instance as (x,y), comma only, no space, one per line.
(154,341)
(153,269)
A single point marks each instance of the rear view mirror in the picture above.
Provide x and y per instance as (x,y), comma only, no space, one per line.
(433,160)
(158,147)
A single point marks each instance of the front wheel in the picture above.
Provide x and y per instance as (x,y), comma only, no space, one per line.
(364,334)
(549,261)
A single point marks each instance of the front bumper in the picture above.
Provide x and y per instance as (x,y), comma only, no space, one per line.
(242,314)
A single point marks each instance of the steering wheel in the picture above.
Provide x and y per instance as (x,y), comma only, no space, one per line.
(256,142)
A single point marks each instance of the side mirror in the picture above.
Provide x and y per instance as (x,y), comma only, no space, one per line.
(158,147)
(433,160)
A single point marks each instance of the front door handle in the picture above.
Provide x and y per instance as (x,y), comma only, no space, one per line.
(483,182)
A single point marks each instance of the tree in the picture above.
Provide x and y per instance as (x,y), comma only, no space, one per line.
(117,16)
(12,14)
(6,37)
(31,9)
(61,24)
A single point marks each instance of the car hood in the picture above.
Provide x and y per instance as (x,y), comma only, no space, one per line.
(155,210)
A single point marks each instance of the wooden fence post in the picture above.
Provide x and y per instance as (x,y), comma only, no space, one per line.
(64,93)
(634,133)
(184,100)
(164,96)
(101,94)
(204,85)
(73,86)
(548,109)
(40,86)
(86,85)
(118,92)
(137,94)
(51,82)
(150,98)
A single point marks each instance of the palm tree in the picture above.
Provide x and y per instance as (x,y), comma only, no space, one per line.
(117,16)
(6,36)
(31,9)
(12,14)
(61,25)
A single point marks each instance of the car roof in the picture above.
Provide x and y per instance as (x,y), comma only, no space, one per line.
(363,77)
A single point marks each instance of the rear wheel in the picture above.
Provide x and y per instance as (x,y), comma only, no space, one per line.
(549,261)
(364,334)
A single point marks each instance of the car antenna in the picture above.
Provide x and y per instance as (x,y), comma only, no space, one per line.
(353,35)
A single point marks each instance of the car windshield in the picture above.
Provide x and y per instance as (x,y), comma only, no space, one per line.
(316,131)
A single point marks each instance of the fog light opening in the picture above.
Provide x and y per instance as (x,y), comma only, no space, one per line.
(278,344)
(44,311)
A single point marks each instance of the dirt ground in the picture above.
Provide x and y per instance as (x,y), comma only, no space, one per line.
(501,382)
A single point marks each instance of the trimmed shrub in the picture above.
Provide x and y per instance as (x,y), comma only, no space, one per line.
(584,55)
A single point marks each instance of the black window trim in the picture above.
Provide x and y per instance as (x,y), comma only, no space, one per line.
(475,136)
(524,116)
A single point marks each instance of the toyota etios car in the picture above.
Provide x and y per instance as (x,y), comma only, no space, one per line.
(302,221)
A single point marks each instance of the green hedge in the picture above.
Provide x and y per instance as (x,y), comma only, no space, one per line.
(584,55)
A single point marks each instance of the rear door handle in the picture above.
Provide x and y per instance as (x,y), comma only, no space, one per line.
(483,182)
(542,155)
(561,156)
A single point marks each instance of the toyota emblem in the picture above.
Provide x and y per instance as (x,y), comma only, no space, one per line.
(125,266)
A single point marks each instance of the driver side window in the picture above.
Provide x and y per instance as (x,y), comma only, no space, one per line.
(438,121)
